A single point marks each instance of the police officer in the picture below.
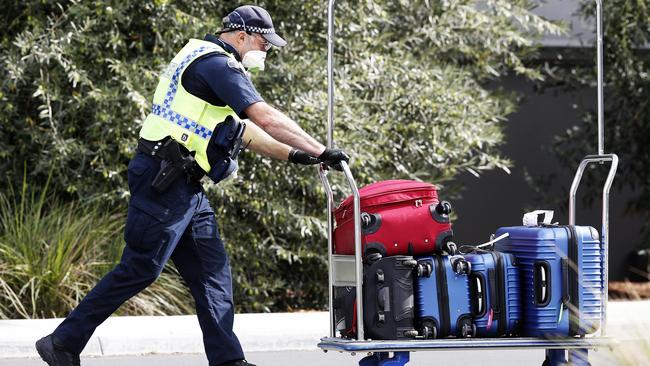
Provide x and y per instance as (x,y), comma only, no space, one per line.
(194,129)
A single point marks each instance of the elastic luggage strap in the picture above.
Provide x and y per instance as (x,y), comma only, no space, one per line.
(482,248)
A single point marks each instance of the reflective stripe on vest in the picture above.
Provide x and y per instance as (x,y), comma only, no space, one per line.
(177,113)
(165,110)
(188,124)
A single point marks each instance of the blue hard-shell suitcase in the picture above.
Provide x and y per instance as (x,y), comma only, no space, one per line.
(442,297)
(495,291)
(562,278)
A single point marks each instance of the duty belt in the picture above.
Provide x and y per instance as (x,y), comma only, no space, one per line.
(175,160)
(158,149)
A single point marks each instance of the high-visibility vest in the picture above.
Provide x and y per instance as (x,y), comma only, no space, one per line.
(189,120)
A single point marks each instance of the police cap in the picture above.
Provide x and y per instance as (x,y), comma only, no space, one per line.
(253,19)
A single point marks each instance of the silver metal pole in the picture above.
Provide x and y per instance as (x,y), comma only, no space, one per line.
(357,248)
(330,74)
(605,214)
(605,219)
(350,179)
(599,55)
(330,143)
(330,245)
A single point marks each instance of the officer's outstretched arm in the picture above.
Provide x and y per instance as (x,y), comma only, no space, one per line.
(283,128)
(262,143)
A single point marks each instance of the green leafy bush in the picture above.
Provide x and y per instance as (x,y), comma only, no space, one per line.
(626,26)
(77,80)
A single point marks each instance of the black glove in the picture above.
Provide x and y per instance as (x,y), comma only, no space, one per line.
(300,157)
(333,158)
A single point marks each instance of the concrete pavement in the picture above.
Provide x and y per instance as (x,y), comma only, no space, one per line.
(318,358)
(258,332)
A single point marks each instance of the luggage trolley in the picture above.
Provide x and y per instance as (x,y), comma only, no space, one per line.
(346,270)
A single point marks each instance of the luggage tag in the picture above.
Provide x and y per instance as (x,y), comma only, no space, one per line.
(532,218)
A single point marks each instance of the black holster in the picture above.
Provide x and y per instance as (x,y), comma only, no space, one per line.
(173,163)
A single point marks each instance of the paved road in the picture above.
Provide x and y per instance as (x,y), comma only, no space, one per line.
(318,358)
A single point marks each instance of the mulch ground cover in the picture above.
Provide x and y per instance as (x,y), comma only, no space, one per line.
(629,290)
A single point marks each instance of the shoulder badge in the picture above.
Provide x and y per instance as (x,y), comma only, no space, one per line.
(233,64)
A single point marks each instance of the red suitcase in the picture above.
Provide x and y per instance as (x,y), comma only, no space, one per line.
(398,217)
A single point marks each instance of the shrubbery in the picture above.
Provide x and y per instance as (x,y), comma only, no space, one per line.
(627,106)
(53,253)
(77,79)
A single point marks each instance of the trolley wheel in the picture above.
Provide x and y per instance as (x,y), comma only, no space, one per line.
(473,330)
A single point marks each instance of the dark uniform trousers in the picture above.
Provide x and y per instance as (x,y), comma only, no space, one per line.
(178,224)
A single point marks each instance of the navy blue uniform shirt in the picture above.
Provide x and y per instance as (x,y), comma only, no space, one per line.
(211,79)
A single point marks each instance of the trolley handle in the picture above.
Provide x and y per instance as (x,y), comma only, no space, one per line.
(357,243)
(358,259)
(322,173)
(590,159)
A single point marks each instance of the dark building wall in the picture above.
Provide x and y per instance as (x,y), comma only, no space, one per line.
(498,199)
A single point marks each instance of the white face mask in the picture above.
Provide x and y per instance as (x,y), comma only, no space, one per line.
(253,60)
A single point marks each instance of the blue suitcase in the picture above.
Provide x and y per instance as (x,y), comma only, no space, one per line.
(442,297)
(562,278)
(495,291)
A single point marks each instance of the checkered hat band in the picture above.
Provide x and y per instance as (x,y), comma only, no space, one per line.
(249,28)
(182,121)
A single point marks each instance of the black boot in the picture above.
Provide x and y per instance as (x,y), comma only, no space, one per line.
(238,363)
(52,352)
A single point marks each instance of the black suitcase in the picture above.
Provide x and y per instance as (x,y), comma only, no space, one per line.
(388,300)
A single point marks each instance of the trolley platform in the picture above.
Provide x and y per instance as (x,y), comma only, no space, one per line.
(451,344)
